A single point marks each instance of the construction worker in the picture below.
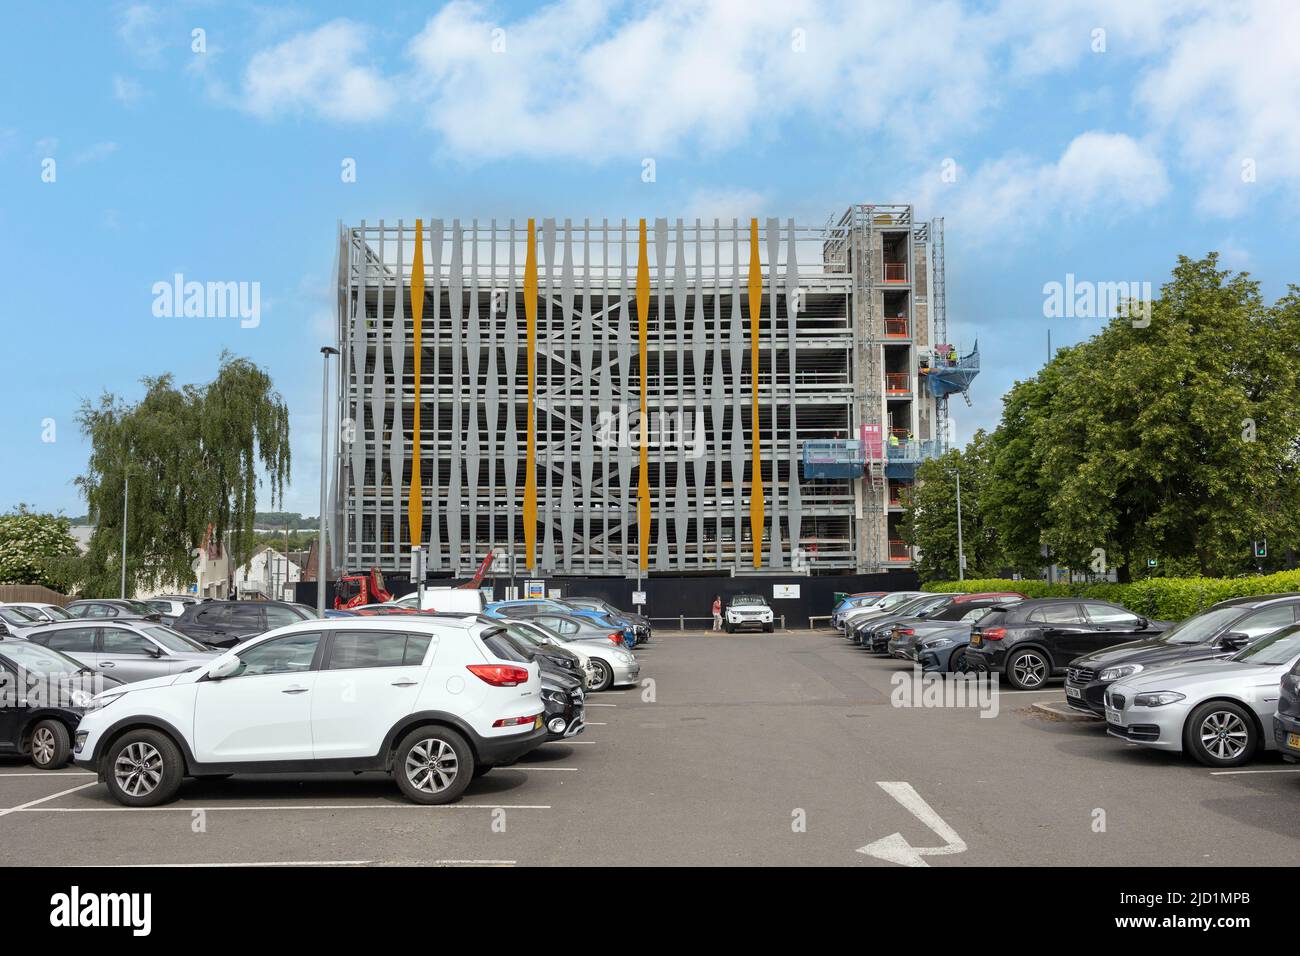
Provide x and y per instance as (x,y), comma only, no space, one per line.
(893,438)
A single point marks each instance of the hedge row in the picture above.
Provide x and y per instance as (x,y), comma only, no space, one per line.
(1166,599)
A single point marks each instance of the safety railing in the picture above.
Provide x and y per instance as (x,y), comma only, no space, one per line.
(898,383)
(899,551)
(895,271)
(681,620)
(899,327)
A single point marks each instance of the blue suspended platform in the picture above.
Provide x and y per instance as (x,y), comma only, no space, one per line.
(834,459)
(943,380)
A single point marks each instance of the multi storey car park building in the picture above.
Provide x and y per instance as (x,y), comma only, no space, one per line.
(639,398)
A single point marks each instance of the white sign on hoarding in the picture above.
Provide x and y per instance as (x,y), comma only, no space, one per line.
(534,590)
(780,591)
(638,598)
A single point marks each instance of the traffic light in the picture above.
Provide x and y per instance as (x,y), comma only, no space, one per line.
(1261,548)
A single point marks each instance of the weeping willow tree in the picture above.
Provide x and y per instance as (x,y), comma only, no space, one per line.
(192,456)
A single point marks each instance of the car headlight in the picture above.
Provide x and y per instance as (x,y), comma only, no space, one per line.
(940,642)
(553,695)
(1158,698)
(97,703)
(1115,673)
(624,658)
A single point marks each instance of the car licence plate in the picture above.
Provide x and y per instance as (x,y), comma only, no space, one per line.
(1073,692)
(1293,740)
(1113,717)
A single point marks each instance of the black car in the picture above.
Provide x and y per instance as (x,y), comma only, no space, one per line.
(1219,631)
(551,657)
(42,696)
(1286,722)
(1033,641)
(225,623)
(563,700)
(99,608)
(875,634)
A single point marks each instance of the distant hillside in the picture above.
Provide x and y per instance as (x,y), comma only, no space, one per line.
(284,519)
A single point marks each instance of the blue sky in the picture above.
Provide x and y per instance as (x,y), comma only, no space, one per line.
(1100,139)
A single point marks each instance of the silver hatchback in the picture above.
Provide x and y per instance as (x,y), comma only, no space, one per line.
(127,650)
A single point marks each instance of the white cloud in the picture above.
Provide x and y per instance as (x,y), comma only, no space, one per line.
(126,90)
(318,72)
(601,81)
(139,29)
(95,152)
(725,204)
(574,80)
(1228,93)
(1098,174)
(1233,255)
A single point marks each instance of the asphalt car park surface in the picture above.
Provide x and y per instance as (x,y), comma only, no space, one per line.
(742,749)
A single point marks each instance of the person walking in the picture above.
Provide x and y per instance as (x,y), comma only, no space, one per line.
(717,612)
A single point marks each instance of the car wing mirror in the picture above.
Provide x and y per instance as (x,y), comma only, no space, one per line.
(1235,641)
(223,668)
(155,652)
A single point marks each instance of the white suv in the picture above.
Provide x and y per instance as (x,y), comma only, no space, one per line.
(423,699)
(748,610)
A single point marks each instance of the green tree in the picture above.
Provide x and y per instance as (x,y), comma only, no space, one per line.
(192,457)
(1175,438)
(1016,495)
(34,548)
(930,514)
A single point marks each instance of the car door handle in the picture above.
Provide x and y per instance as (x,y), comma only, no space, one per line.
(404,683)
(294,690)
(107,664)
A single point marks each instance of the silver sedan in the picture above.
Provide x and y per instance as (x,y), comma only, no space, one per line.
(1219,711)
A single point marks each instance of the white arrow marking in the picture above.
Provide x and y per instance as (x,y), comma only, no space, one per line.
(895,848)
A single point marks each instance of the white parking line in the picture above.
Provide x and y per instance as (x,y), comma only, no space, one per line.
(179,866)
(474,862)
(49,773)
(517,767)
(602,705)
(24,807)
(595,723)
(1230,773)
(577,743)
(190,808)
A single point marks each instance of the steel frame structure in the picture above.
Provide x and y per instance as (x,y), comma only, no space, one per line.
(802,307)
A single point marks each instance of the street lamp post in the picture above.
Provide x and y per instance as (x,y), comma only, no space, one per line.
(126,485)
(326,352)
(961,553)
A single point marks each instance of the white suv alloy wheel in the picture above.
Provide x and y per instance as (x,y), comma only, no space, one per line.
(431,765)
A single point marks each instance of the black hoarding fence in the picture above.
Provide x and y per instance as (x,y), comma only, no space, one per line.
(670,599)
